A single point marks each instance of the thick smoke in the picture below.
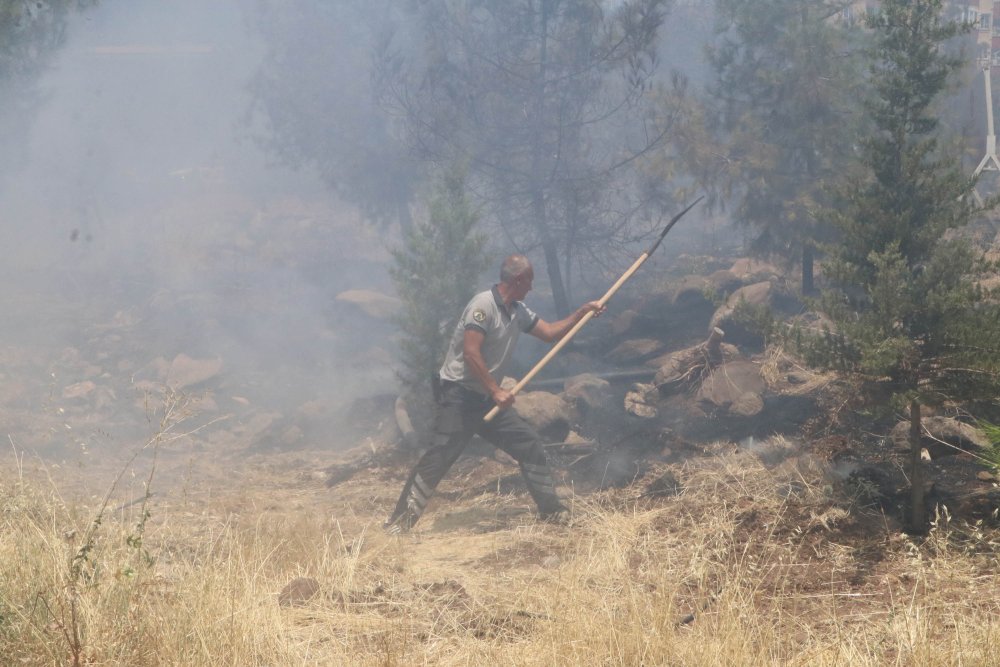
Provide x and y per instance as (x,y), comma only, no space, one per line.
(141,222)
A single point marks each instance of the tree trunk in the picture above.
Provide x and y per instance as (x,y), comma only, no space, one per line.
(549,244)
(559,297)
(918,514)
(808,284)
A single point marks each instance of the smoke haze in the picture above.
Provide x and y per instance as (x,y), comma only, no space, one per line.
(141,222)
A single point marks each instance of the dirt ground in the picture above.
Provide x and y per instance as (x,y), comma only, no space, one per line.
(762,535)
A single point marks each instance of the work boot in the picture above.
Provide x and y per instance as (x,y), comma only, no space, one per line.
(410,507)
(561,517)
(541,486)
(401,524)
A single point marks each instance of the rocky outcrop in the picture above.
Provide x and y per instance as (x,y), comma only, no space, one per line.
(713,373)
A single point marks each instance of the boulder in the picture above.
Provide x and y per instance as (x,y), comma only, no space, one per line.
(672,312)
(692,291)
(548,413)
(943,436)
(635,350)
(757,294)
(185,371)
(765,294)
(728,386)
(622,322)
(685,367)
(980,504)
(724,281)
(586,392)
(749,271)
(697,290)
(747,404)
(372,303)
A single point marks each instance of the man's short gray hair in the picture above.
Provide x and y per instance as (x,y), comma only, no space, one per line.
(513,267)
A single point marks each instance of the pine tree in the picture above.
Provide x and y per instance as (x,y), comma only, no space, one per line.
(784,103)
(911,318)
(435,272)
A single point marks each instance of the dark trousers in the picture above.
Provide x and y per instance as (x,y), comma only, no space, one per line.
(459,416)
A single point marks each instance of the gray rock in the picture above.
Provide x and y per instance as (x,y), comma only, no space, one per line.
(635,350)
(728,385)
(943,436)
(548,413)
(587,392)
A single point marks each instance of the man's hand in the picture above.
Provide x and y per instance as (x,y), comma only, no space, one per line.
(553,331)
(594,307)
(503,398)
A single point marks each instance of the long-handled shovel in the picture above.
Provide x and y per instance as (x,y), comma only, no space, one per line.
(586,318)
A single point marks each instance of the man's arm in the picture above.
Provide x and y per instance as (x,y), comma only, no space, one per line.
(553,331)
(472,349)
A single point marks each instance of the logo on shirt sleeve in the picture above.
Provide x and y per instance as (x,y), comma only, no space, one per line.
(479,315)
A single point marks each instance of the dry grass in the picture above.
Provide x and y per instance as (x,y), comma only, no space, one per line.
(776,364)
(753,563)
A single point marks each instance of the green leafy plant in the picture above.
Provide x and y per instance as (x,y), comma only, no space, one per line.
(435,272)
(757,318)
(990,457)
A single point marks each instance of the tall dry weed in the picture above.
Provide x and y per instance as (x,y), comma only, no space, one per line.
(755,562)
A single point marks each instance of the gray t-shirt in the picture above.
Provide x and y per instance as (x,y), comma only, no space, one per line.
(501,326)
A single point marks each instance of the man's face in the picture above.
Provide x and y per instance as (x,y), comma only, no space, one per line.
(522,284)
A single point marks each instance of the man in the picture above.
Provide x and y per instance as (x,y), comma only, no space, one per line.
(480,348)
